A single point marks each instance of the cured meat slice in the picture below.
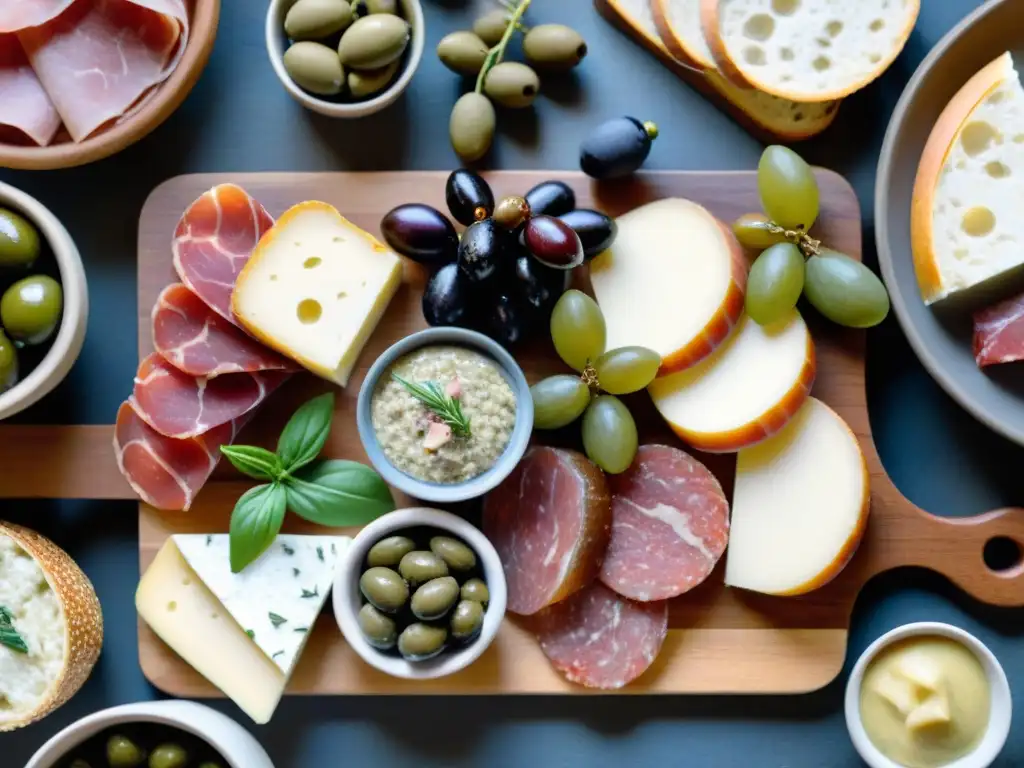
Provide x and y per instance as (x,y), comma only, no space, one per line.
(999,332)
(182,406)
(24,105)
(199,342)
(214,239)
(100,57)
(670,525)
(599,639)
(164,472)
(549,521)
(16,15)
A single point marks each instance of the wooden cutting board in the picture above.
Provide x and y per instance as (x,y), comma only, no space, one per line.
(720,640)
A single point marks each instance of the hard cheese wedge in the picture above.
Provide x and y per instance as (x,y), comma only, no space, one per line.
(315,288)
(800,505)
(243,632)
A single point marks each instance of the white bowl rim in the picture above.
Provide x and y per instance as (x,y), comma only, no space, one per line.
(275,51)
(67,344)
(346,592)
(998,730)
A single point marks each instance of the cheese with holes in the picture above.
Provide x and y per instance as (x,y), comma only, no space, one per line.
(243,632)
(315,288)
(800,505)
(673,281)
(965,224)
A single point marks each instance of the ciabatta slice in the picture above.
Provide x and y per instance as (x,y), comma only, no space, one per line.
(678,23)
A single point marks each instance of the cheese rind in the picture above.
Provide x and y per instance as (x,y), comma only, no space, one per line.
(315,288)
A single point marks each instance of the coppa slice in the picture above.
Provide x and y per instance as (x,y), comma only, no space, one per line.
(549,521)
(601,640)
(999,332)
(673,281)
(747,390)
(670,525)
(24,104)
(799,507)
(16,15)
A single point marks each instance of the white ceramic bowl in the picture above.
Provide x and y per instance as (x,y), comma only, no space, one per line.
(1000,708)
(277,43)
(347,599)
(67,343)
(234,743)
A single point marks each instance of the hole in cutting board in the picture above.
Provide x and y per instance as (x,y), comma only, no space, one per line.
(1002,554)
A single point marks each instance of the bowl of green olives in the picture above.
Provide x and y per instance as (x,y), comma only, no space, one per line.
(44,302)
(153,734)
(345,58)
(420,594)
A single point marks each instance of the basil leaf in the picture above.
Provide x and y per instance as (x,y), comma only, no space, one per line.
(255,522)
(338,493)
(253,461)
(306,432)
(8,634)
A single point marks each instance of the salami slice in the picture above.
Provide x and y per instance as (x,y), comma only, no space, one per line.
(670,525)
(549,521)
(601,640)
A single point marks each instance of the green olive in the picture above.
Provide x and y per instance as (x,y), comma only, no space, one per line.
(491,27)
(467,620)
(419,567)
(315,68)
(79,763)
(384,588)
(168,756)
(554,47)
(471,126)
(456,555)
(435,598)
(19,240)
(30,310)
(462,52)
(378,628)
(374,41)
(476,590)
(512,84)
(390,551)
(382,6)
(122,752)
(419,642)
(370,82)
(8,363)
(317,19)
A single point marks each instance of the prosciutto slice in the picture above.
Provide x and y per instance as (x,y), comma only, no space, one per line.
(999,332)
(181,406)
(24,104)
(199,342)
(16,15)
(99,58)
(164,472)
(213,241)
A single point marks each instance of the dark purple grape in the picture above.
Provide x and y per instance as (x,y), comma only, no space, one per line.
(469,197)
(596,230)
(551,198)
(539,287)
(505,320)
(512,212)
(483,251)
(553,242)
(422,233)
(617,147)
(447,299)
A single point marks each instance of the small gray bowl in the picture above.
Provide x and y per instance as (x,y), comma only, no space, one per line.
(481,484)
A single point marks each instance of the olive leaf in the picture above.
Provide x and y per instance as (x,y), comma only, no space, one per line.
(306,432)
(254,461)
(338,493)
(255,522)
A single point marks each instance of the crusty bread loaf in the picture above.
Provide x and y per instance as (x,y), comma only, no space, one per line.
(806,50)
(766,116)
(678,24)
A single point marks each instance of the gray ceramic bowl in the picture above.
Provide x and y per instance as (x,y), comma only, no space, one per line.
(941,335)
(481,484)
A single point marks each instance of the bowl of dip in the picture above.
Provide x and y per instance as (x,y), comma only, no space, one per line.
(928,695)
(457,451)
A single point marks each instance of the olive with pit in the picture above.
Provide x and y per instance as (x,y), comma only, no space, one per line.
(315,68)
(419,567)
(378,628)
(384,588)
(8,363)
(456,555)
(512,84)
(374,41)
(467,620)
(19,240)
(491,26)
(317,19)
(168,756)
(476,591)
(419,642)
(469,196)
(30,310)
(122,752)
(390,551)
(370,82)
(551,198)
(462,52)
(554,47)
(471,126)
(435,598)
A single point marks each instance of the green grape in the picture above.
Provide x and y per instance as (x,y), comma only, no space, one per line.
(577,329)
(774,284)
(609,434)
(788,190)
(845,291)
(558,400)
(627,369)
(751,229)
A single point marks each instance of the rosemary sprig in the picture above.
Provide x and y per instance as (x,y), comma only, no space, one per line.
(8,634)
(448,408)
(497,53)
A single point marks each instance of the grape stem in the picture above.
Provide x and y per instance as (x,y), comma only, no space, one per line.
(589,377)
(807,244)
(497,53)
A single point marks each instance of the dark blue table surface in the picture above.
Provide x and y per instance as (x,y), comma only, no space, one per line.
(240,119)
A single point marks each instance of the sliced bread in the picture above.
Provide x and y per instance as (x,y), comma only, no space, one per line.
(678,23)
(806,50)
(965,219)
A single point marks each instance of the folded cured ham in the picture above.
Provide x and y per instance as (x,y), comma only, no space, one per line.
(999,332)
(16,15)
(24,105)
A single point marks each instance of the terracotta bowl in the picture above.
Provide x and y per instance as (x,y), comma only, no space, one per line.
(64,153)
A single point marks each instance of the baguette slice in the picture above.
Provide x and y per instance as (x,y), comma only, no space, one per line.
(965,219)
(806,50)
(766,116)
(678,23)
